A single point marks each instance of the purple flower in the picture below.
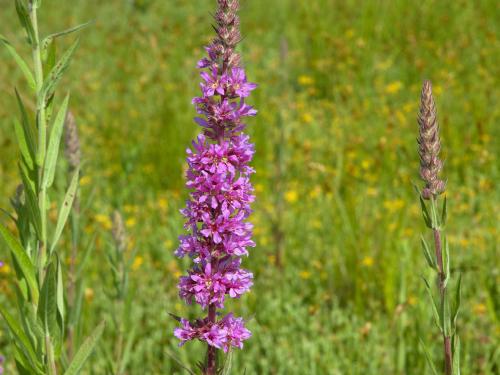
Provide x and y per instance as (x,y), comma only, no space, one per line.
(218,177)
(238,85)
(236,332)
(185,333)
(213,83)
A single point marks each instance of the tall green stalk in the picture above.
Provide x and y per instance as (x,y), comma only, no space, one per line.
(38,334)
(439,259)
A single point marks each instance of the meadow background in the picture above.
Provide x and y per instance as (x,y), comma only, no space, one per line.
(337,223)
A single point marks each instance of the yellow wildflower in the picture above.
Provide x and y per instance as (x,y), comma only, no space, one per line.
(291,196)
(104,221)
(305,275)
(368,261)
(305,80)
(393,87)
(479,309)
(137,262)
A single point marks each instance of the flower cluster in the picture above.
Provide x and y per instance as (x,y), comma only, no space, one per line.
(221,193)
(429,145)
(227,332)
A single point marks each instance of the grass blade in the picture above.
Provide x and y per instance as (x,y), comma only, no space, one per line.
(85,351)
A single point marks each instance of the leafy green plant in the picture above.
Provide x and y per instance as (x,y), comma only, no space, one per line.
(38,333)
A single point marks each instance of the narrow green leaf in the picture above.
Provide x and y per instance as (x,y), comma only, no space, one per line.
(425,212)
(458,297)
(446,254)
(21,339)
(228,363)
(27,129)
(435,310)
(54,141)
(35,325)
(65,209)
(22,259)
(25,20)
(85,351)
(23,145)
(49,54)
(50,37)
(20,62)
(429,257)
(433,214)
(456,355)
(56,73)
(24,364)
(445,315)
(60,292)
(47,308)
(444,212)
(429,358)
(31,200)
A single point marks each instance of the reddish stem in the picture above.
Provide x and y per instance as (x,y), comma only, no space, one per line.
(448,356)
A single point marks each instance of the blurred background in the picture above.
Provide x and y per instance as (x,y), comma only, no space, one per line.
(338,263)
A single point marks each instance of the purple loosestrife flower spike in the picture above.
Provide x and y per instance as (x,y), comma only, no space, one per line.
(218,208)
(429,145)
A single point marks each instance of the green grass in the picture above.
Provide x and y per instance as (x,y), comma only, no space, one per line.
(349,298)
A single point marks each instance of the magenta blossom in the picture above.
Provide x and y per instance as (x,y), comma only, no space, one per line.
(218,207)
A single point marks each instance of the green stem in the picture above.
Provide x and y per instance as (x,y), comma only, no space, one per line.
(50,356)
(42,139)
(448,356)
(41,121)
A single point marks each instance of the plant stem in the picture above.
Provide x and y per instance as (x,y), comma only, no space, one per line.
(212,350)
(42,143)
(50,356)
(42,192)
(448,357)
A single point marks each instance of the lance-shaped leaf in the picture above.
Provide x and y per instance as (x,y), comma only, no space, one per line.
(49,38)
(425,212)
(444,212)
(23,363)
(31,200)
(458,297)
(456,355)
(429,358)
(27,130)
(20,62)
(435,310)
(445,315)
(429,257)
(22,259)
(228,363)
(56,73)
(49,169)
(65,209)
(60,294)
(25,20)
(22,340)
(47,308)
(85,351)
(446,270)
(23,145)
